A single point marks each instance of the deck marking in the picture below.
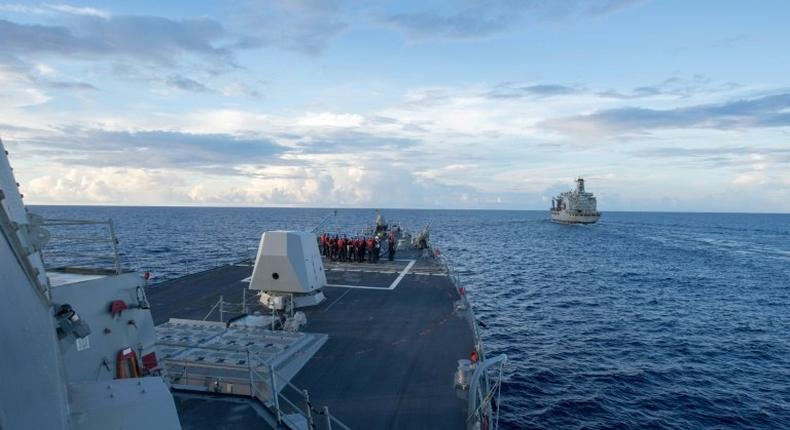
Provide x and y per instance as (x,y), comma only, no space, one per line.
(337,300)
(358,287)
(402,274)
(392,286)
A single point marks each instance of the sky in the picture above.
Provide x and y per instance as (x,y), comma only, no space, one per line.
(500,104)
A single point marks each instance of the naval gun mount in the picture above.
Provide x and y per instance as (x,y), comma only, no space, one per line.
(288,270)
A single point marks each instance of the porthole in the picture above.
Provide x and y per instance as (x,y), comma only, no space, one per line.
(275,275)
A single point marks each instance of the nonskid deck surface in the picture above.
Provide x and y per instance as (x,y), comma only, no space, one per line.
(394,338)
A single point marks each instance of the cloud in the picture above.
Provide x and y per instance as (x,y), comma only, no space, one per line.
(49,9)
(74,10)
(510,90)
(107,185)
(674,86)
(187,84)
(764,111)
(721,156)
(67,85)
(153,149)
(296,25)
(236,89)
(482,18)
(142,38)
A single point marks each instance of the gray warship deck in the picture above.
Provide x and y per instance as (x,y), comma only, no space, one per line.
(394,341)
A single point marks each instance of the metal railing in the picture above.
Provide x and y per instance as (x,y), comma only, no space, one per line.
(290,405)
(481,390)
(234,308)
(83,244)
(10,230)
(298,402)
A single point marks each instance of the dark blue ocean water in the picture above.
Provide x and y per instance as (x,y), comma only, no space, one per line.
(644,320)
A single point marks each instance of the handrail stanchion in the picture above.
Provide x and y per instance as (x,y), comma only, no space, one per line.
(328,418)
(252,378)
(310,423)
(117,259)
(244,301)
(275,396)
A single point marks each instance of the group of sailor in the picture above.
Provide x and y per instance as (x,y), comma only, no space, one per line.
(356,249)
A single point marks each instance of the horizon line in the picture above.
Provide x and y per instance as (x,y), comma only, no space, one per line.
(384,208)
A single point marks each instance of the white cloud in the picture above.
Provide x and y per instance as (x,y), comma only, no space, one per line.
(448,147)
(751,178)
(75,10)
(329,119)
(17,90)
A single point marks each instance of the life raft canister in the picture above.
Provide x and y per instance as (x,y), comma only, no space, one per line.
(126,366)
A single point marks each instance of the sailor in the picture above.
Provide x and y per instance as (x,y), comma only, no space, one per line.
(391,247)
(371,249)
(350,249)
(362,245)
(377,252)
(341,248)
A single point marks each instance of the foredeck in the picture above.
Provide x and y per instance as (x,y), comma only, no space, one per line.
(394,338)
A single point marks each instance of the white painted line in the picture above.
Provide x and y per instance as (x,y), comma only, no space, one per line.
(359,287)
(247,279)
(402,274)
(392,286)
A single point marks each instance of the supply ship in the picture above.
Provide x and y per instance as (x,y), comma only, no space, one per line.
(575,207)
(295,338)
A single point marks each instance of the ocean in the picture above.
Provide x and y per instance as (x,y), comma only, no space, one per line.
(643,320)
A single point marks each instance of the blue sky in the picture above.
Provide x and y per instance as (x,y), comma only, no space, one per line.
(661,105)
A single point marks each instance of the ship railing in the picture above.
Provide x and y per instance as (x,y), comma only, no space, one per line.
(88,245)
(455,278)
(289,405)
(296,401)
(484,410)
(486,382)
(224,307)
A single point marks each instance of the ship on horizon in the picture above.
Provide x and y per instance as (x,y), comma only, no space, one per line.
(575,207)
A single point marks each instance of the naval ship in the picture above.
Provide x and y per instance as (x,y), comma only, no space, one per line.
(291,339)
(575,207)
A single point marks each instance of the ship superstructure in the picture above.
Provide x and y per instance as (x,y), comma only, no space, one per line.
(575,207)
(78,342)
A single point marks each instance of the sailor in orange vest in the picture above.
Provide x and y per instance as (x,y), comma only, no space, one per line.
(371,249)
(341,248)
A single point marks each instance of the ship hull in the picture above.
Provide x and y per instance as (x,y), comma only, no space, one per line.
(566,218)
